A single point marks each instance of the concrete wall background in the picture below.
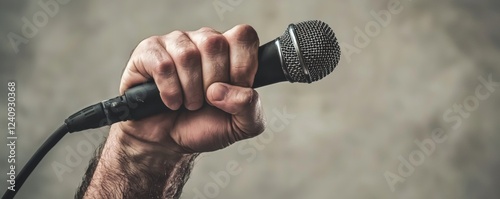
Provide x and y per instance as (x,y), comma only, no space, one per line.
(350,127)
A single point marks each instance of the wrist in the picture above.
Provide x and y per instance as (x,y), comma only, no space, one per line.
(130,168)
(138,153)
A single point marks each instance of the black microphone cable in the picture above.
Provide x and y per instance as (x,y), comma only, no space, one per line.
(35,159)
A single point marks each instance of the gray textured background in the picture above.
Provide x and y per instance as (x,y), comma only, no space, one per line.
(350,127)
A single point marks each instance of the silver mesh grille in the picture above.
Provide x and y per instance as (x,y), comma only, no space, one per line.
(319,49)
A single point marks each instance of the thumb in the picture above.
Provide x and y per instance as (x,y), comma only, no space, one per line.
(242,103)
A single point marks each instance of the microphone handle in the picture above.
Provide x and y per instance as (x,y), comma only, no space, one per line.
(271,65)
(144,100)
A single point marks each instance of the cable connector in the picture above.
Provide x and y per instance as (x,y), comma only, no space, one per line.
(88,118)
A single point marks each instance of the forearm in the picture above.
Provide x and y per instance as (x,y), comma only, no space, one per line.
(127,168)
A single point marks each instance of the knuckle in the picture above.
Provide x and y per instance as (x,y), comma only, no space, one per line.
(248,97)
(187,55)
(246,33)
(179,38)
(182,49)
(150,41)
(213,43)
(176,33)
(164,67)
(206,29)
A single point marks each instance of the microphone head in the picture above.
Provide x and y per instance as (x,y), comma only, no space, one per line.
(309,50)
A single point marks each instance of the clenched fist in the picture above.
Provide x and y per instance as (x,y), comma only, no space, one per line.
(207,72)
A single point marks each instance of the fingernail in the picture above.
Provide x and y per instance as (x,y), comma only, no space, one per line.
(220,93)
(193,106)
(174,105)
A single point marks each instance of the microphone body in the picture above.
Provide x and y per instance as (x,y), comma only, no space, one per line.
(306,52)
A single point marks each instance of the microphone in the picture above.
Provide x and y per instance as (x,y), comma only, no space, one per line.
(305,53)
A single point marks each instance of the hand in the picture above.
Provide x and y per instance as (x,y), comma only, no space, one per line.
(208,73)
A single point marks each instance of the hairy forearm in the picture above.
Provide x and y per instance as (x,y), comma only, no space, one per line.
(123,169)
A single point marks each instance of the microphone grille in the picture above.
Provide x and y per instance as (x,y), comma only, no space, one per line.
(310,51)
